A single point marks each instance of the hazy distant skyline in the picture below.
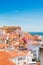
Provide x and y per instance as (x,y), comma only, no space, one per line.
(25,13)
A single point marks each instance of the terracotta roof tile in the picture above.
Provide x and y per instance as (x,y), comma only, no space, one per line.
(6,62)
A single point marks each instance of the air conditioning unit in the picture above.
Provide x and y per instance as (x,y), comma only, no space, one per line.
(31,63)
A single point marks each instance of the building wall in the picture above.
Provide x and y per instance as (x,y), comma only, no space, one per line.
(10,28)
(41,57)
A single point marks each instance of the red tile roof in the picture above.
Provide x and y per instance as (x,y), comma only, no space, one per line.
(6,62)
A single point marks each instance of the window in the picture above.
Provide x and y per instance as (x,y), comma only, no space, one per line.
(19,58)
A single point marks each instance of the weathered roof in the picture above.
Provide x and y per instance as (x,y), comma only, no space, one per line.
(3,45)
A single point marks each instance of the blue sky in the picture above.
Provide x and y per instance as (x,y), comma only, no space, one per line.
(25,13)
